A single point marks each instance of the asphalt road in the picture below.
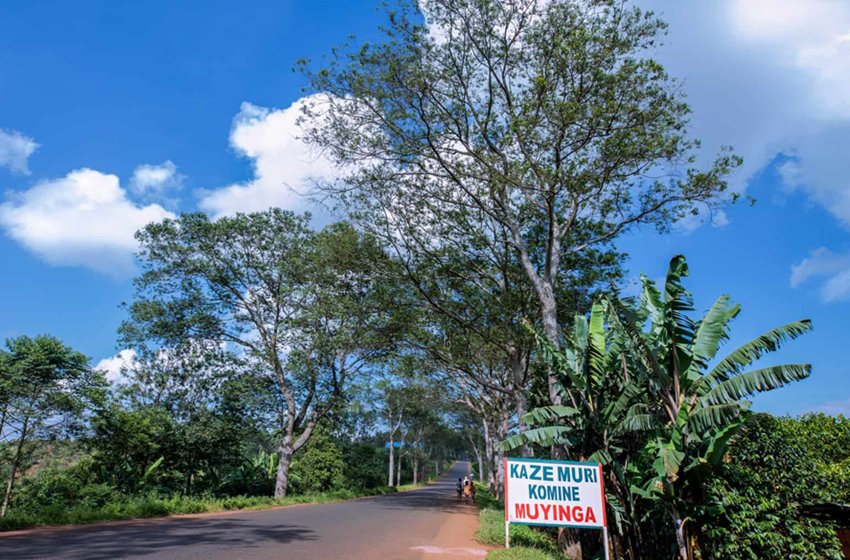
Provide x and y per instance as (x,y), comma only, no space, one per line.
(414,525)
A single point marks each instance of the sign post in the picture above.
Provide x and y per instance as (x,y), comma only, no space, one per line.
(554,494)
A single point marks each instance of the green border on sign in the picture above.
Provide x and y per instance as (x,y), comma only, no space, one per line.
(528,460)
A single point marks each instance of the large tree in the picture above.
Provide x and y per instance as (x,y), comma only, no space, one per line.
(45,390)
(304,308)
(549,118)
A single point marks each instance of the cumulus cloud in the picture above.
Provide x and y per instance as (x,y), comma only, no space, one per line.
(768,77)
(282,163)
(15,148)
(823,263)
(117,366)
(772,79)
(82,219)
(155,178)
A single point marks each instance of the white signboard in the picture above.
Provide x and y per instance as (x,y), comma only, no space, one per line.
(556,493)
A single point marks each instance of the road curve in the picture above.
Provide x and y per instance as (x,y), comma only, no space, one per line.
(422,523)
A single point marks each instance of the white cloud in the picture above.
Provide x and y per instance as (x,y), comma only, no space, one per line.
(823,263)
(155,178)
(768,77)
(82,219)
(690,223)
(834,408)
(116,366)
(15,148)
(282,163)
(812,37)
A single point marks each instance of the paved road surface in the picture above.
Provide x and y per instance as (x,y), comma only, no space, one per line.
(426,523)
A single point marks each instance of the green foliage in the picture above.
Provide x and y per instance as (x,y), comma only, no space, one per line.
(776,463)
(519,553)
(491,530)
(64,487)
(126,443)
(46,388)
(264,297)
(318,466)
(365,465)
(702,409)
(529,541)
(253,476)
(142,506)
(644,395)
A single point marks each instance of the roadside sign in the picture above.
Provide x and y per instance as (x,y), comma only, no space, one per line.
(554,493)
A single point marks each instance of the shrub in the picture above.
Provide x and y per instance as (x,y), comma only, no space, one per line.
(318,466)
(64,487)
(774,465)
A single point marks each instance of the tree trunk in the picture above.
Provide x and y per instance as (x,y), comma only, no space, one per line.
(521,409)
(284,453)
(398,469)
(679,526)
(488,453)
(392,452)
(480,468)
(15,464)
(520,400)
(500,481)
(3,418)
(415,471)
(549,314)
(500,459)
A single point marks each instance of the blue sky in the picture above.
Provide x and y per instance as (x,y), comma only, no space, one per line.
(112,115)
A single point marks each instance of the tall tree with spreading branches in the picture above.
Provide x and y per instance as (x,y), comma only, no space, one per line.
(305,308)
(548,118)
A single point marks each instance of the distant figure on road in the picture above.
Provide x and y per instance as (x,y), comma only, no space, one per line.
(468,490)
(459,489)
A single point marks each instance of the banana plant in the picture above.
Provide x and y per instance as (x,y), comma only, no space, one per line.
(143,481)
(649,369)
(700,406)
(605,406)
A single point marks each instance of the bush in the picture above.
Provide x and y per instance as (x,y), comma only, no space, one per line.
(519,553)
(151,505)
(63,487)
(318,466)
(365,465)
(774,465)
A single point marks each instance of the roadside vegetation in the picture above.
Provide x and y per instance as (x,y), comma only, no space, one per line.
(526,542)
(154,505)
(470,302)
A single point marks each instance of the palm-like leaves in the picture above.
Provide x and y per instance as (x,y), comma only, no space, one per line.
(706,407)
(648,370)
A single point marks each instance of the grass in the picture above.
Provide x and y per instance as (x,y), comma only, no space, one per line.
(527,543)
(141,507)
(518,553)
(152,506)
(410,486)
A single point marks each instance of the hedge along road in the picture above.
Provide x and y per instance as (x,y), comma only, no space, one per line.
(423,523)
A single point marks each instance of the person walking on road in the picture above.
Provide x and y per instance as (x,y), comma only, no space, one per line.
(468,490)
(459,489)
